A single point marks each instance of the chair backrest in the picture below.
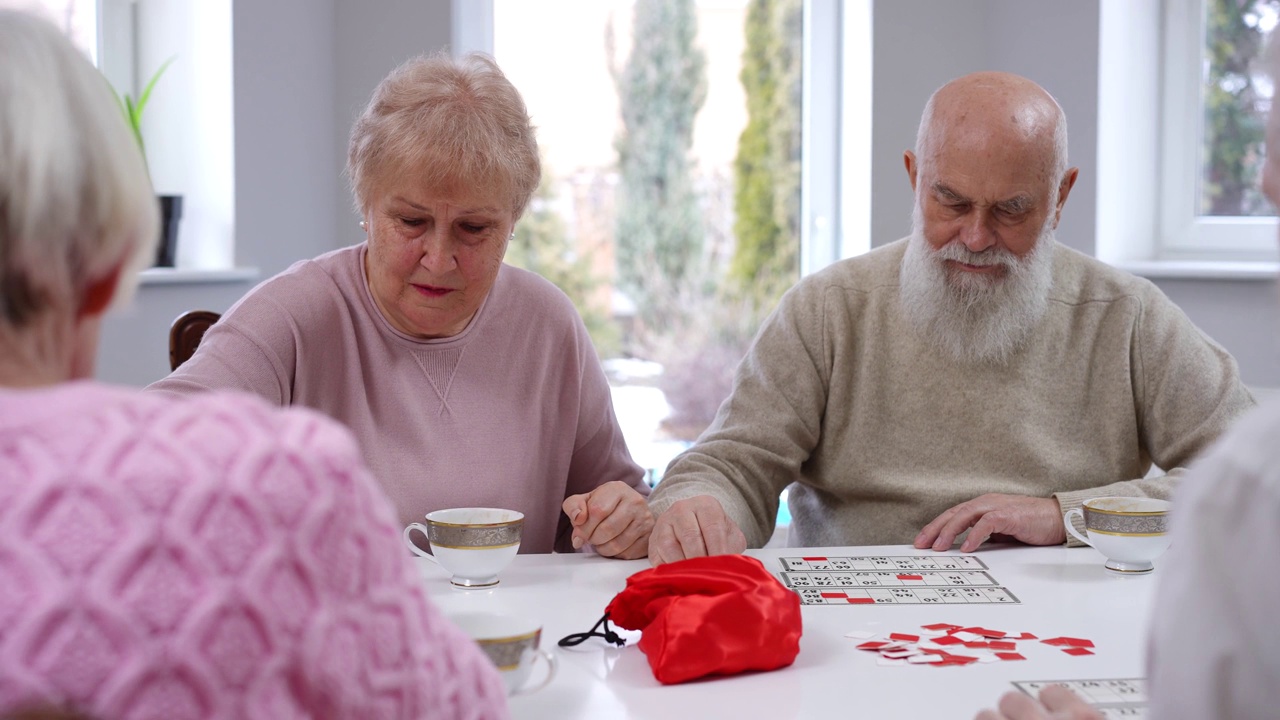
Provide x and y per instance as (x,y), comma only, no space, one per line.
(185,334)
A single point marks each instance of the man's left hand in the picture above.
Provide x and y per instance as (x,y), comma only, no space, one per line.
(1035,521)
(613,518)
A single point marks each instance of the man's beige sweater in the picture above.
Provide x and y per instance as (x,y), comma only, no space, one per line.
(877,432)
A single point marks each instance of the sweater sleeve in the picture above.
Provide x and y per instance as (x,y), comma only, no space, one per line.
(600,453)
(1187,392)
(251,349)
(1212,646)
(768,426)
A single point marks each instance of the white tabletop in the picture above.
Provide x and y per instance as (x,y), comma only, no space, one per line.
(1063,592)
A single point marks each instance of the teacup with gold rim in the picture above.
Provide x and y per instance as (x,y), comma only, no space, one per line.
(511,643)
(473,544)
(1130,531)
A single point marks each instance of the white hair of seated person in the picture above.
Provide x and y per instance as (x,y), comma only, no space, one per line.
(78,203)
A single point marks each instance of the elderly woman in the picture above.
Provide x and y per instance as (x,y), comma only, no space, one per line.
(468,382)
(207,557)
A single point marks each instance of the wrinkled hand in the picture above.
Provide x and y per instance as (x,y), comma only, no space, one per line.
(1056,703)
(613,518)
(694,527)
(1035,521)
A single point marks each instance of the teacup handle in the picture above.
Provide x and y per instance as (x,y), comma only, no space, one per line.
(409,541)
(1071,528)
(552,665)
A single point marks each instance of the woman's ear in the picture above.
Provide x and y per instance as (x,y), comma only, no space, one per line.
(98,295)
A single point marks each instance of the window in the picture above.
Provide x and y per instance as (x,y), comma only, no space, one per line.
(1216,100)
(187,125)
(670,208)
(672,321)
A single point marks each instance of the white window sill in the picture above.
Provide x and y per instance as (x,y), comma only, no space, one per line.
(1201,269)
(180,276)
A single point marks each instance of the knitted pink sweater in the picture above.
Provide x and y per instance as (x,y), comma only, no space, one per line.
(210,557)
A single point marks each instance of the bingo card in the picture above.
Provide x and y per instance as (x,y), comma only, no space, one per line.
(893,580)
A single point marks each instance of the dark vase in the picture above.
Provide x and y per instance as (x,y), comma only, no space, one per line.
(170,214)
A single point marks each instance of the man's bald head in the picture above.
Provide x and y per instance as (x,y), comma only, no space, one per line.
(987,112)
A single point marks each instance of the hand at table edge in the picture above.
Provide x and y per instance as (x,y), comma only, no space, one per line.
(694,527)
(1032,520)
(613,518)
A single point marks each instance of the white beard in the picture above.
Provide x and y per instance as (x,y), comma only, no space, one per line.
(975,318)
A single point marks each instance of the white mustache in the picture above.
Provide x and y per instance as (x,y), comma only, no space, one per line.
(956,251)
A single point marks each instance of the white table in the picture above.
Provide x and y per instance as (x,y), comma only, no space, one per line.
(1063,592)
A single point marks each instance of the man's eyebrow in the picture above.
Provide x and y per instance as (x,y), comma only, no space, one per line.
(1016,205)
(947,193)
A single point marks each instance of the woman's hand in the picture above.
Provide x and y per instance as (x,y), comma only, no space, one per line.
(613,518)
(1056,703)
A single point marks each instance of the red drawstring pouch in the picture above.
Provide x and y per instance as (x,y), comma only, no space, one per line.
(717,615)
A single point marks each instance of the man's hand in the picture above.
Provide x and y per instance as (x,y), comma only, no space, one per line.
(1056,703)
(1035,521)
(694,527)
(613,518)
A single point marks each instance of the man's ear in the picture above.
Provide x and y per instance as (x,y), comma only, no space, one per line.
(909,160)
(1064,189)
(98,295)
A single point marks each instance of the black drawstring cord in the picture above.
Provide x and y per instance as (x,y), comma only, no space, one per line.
(608,635)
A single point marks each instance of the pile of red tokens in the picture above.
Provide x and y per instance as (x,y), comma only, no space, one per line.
(944,644)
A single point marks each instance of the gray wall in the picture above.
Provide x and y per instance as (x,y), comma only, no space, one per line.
(374,38)
(921,44)
(304,68)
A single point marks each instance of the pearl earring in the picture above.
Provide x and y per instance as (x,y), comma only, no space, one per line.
(364,226)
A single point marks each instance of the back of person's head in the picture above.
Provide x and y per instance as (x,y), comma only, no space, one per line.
(75,201)
(450,124)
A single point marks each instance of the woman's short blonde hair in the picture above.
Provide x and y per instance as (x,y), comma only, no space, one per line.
(75,199)
(447,124)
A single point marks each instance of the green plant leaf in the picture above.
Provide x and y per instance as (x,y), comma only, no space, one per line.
(146,92)
(132,110)
(133,115)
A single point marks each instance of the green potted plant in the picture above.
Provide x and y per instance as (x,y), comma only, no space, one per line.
(170,205)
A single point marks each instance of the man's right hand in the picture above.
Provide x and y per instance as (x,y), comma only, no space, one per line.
(694,527)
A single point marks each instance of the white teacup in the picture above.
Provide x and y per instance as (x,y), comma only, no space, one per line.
(511,642)
(1130,531)
(473,544)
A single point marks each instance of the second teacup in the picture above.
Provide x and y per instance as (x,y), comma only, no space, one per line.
(473,544)
(511,642)
(1130,531)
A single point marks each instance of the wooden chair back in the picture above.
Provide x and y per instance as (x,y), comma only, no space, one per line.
(185,334)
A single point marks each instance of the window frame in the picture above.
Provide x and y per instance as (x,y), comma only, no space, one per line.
(1184,234)
(116,49)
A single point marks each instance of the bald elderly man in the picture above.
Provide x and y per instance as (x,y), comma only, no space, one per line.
(975,376)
